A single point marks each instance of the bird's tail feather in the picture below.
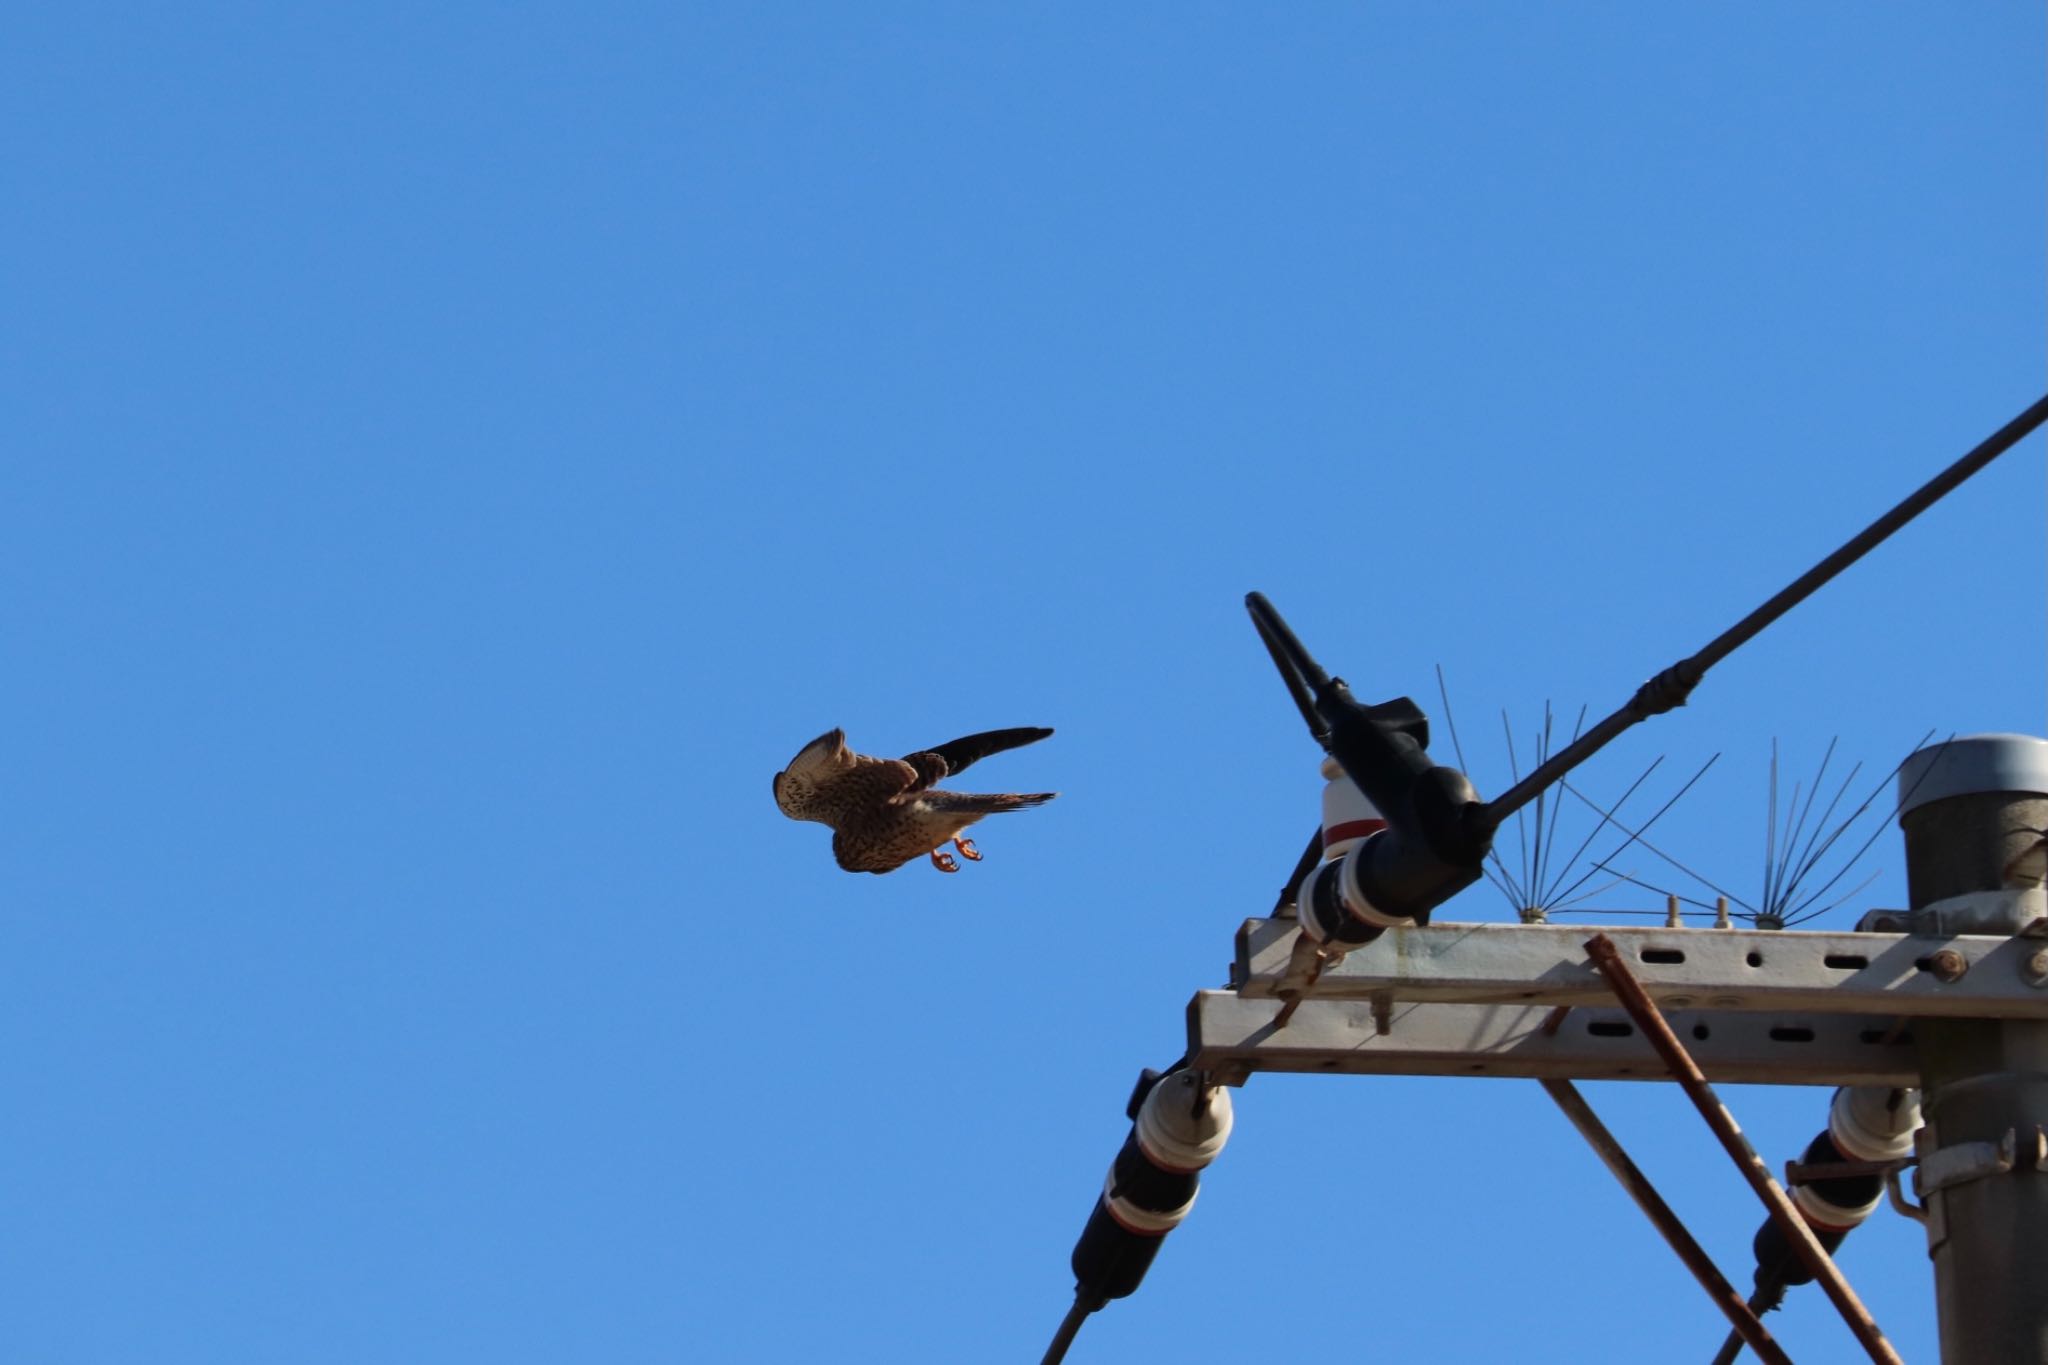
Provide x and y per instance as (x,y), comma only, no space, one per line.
(973,803)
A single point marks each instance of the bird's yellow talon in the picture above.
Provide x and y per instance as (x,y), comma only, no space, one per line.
(967,850)
(944,861)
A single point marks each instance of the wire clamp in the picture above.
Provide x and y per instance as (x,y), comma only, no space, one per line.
(1947,1167)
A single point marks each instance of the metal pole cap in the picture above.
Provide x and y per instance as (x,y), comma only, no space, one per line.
(1971,765)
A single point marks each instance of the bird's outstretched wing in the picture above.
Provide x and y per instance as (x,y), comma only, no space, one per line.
(957,754)
(827,779)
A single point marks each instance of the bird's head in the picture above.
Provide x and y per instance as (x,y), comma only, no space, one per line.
(813,764)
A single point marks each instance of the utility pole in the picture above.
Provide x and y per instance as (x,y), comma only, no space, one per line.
(1349,975)
(1948,998)
(1974,812)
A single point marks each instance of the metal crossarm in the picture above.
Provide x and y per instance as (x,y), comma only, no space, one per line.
(1230,1037)
(1973,976)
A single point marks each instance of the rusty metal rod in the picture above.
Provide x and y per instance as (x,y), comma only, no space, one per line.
(1806,1172)
(1732,1347)
(1607,958)
(1315,957)
(1748,1326)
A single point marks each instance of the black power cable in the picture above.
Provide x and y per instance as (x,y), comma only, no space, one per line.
(1671,687)
(1475,824)
(1084,1304)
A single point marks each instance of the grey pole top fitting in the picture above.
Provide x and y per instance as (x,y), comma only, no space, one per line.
(1971,765)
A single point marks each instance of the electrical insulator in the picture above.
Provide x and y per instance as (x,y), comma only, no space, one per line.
(1437,830)
(1178,1126)
(1332,905)
(1865,1123)
(1436,838)
(1348,818)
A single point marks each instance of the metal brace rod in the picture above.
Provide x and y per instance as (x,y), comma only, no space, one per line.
(1748,1326)
(1607,958)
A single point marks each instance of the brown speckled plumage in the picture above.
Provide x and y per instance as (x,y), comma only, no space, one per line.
(886,811)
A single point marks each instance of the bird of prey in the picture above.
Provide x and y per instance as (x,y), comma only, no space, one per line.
(885,811)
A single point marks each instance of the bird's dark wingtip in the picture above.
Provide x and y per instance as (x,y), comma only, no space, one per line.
(968,749)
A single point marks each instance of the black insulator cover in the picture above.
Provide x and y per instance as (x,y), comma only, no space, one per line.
(1110,1260)
(1844,1191)
(1435,847)
(1776,1262)
(1324,904)
(1402,874)
(1146,1080)
(1150,1187)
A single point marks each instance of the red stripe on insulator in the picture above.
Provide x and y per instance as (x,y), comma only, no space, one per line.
(1153,1159)
(1351,829)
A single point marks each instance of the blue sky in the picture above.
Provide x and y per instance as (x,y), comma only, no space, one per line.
(459,453)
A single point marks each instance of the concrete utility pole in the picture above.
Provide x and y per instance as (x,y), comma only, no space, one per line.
(1974,812)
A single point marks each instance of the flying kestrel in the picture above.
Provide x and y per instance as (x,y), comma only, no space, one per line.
(885,811)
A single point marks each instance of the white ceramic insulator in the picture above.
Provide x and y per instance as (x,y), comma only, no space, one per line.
(1867,1127)
(1176,1138)
(1347,816)
(1822,1214)
(1140,1220)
